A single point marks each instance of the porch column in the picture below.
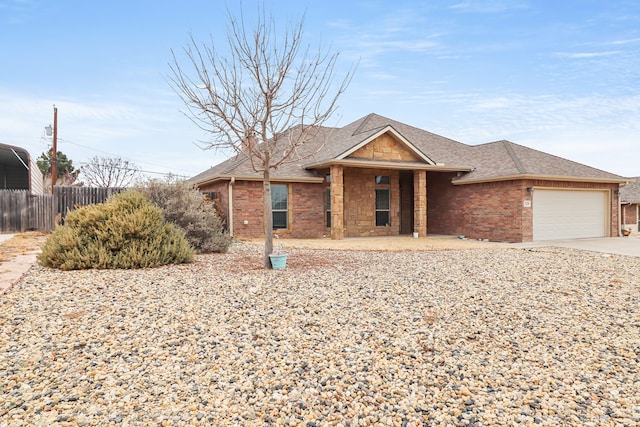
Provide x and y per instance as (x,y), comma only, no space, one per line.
(337,203)
(420,202)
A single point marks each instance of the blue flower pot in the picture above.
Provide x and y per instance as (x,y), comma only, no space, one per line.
(278,261)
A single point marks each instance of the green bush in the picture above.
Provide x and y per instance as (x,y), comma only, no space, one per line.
(186,208)
(125,232)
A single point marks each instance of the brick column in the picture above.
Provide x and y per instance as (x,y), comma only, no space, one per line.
(420,202)
(337,203)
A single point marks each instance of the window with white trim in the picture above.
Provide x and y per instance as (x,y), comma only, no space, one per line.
(279,205)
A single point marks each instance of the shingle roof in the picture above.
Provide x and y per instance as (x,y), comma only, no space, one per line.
(240,166)
(630,193)
(490,162)
(503,159)
(442,150)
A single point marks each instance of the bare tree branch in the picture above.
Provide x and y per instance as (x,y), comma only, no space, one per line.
(267,83)
(109,172)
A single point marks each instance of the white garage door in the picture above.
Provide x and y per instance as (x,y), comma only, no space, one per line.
(565,214)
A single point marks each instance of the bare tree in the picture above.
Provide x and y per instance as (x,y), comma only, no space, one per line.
(268,83)
(109,172)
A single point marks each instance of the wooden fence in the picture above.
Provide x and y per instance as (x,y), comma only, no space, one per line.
(21,211)
(68,198)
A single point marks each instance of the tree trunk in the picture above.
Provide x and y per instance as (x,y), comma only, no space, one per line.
(268,218)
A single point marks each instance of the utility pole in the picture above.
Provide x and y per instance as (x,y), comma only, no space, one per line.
(54,160)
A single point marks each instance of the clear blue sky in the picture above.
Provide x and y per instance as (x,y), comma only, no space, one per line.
(559,76)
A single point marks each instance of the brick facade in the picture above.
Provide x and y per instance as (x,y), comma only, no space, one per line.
(306,206)
(419,201)
(221,188)
(494,210)
(630,217)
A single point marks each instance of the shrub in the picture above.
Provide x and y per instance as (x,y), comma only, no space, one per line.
(125,232)
(186,208)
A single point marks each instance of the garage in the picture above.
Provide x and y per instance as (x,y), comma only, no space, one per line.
(569,214)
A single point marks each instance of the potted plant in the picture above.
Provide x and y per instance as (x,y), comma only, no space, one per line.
(626,232)
(278,258)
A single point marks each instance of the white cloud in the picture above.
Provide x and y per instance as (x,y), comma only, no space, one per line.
(596,130)
(397,32)
(133,130)
(580,55)
(488,6)
(621,42)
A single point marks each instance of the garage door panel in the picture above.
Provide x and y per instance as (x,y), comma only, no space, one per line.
(569,214)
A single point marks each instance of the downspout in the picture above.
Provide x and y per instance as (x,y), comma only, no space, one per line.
(230,215)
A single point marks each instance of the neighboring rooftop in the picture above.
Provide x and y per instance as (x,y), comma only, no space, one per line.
(630,193)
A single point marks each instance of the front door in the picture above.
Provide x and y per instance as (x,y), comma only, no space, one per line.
(406,202)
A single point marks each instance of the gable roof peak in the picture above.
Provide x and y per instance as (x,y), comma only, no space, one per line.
(364,123)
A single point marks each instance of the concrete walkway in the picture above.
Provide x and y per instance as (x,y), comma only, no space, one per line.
(12,270)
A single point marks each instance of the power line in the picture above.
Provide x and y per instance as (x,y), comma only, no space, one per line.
(137,170)
(129,158)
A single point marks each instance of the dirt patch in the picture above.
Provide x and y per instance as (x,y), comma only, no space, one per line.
(392,243)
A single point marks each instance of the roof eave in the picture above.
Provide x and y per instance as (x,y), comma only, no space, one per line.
(461,181)
(382,164)
(218,178)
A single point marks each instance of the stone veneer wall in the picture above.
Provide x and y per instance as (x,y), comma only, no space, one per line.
(385,147)
(360,203)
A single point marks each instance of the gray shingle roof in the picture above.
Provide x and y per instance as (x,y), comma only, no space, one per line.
(630,193)
(492,161)
(504,159)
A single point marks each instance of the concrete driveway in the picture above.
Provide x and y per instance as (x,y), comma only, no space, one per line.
(629,246)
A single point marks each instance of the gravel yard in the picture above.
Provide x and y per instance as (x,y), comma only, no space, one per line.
(482,337)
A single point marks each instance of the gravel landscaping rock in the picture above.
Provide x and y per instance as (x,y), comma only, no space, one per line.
(478,337)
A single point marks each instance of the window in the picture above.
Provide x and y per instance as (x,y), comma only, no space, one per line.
(383,204)
(382,207)
(382,179)
(209,195)
(328,213)
(279,204)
